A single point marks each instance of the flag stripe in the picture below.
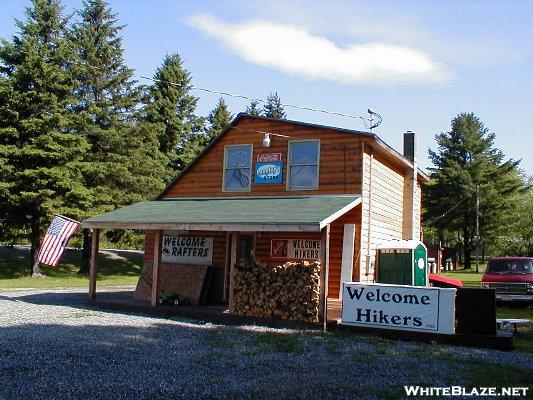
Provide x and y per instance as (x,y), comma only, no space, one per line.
(54,247)
(55,240)
(58,248)
(62,244)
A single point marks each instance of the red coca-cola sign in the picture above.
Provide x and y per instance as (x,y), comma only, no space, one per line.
(269,157)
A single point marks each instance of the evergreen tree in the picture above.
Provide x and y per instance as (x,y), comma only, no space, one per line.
(39,157)
(252,109)
(273,107)
(516,234)
(121,167)
(219,118)
(468,169)
(170,108)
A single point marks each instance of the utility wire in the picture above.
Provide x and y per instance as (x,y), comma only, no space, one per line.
(439,217)
(240,96)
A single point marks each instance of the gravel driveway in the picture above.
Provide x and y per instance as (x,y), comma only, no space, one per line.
(52,345)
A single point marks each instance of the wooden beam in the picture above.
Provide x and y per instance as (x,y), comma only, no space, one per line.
(324,276)
(233,260)
(93,269)
(155,267)
(227,264)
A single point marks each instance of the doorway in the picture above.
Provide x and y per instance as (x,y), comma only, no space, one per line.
(245,249)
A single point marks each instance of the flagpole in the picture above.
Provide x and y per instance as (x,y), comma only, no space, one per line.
(70,219)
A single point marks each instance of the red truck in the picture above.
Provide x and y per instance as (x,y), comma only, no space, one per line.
(512,277)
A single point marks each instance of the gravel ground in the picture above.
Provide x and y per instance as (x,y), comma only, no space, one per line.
(54,346)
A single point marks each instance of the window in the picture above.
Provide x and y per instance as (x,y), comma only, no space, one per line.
(237,168)
(303,164)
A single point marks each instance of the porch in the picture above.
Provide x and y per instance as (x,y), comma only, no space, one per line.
(239,228)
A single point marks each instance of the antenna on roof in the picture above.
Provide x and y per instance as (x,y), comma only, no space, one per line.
(371,123)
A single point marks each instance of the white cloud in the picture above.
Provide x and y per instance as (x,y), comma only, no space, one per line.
(295,51)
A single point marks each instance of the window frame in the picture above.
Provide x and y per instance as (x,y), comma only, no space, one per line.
(225,167)
(289,165)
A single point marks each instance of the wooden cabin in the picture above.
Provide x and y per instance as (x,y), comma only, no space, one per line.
(273,191)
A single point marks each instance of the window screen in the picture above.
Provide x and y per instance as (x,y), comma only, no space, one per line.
(303,167)
(237,168)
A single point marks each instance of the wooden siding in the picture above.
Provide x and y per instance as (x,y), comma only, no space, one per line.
(335,249)
(263,241)
(382,209)
(339,170)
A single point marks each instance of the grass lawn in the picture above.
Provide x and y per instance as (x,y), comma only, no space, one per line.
(524,339)
(115,268)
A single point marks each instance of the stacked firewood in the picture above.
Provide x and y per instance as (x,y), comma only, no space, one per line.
(288,291)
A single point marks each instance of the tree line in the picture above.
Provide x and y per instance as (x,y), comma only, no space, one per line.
(79,135)
(475,197)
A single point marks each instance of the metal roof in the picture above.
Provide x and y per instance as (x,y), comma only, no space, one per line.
(288,213)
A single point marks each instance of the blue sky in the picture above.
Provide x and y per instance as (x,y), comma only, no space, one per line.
(416,63)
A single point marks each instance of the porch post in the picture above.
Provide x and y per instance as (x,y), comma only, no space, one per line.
(93,269)
(227,262)
(155,268)
(233,260)
(348,242)
(324,275)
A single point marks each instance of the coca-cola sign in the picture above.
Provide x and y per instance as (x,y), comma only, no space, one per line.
(269,157)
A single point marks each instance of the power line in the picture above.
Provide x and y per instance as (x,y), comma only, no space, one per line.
(240,96)
(439,217)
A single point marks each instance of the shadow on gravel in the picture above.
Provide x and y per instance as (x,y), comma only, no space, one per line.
(71,299)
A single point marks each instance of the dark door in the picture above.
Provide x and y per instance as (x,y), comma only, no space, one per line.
(245,249)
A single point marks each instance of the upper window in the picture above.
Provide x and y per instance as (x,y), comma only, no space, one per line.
(303,164)
(237,168)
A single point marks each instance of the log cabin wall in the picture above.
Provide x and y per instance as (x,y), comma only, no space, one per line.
(263,243)
(216,288)
(339,164)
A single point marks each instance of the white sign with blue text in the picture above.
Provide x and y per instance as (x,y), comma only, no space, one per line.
(401,307)
(269,172)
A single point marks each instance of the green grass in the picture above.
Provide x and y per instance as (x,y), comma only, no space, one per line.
(281,342)
(113,270)
(469,277)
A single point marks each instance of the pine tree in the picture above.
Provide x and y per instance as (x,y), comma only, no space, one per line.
(219,118)
(468,168)
(273,107)
(39,157)
(252,109)
(121,166)
(170,108)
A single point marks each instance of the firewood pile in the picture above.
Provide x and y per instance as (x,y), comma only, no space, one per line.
(288,291)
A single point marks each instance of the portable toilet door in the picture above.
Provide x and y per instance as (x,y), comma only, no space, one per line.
(402,262)
(421,265)
(395,266)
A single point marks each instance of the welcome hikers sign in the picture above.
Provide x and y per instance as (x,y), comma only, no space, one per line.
(402,307)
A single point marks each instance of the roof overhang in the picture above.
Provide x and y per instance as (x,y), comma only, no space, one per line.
(229,214)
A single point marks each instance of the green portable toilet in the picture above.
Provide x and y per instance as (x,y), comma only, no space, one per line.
(402,262)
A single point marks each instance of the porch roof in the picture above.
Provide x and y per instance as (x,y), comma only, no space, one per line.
(288,213)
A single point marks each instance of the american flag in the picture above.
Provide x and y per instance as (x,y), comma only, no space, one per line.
(55,240)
